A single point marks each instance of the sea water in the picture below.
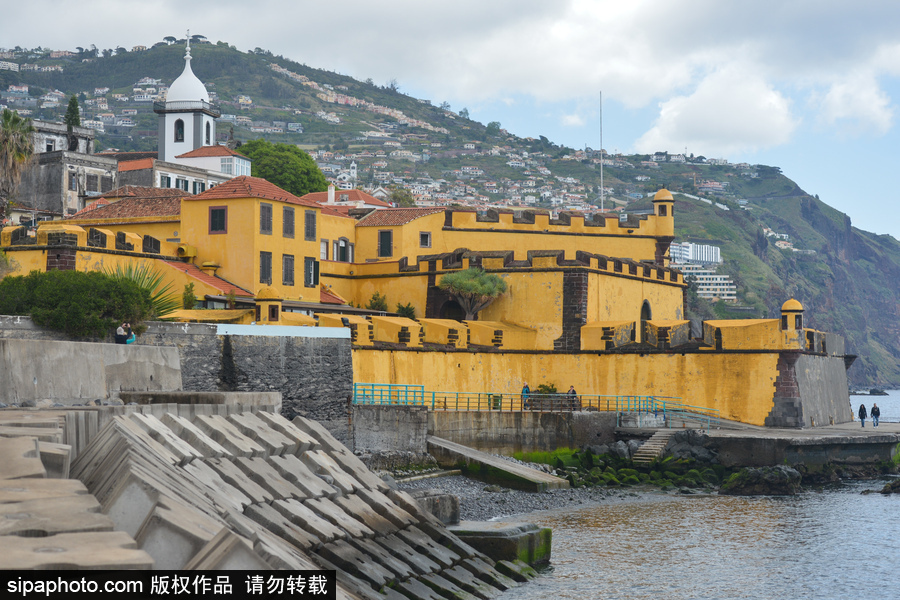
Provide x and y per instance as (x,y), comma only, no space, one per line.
(838,543)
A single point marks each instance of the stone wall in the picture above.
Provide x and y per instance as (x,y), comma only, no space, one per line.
(390,428)
(314,374)
(523,431)
(72,373)
(823,390)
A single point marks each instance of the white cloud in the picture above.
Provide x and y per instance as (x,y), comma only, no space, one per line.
(573,120)
(730,112)
(857,106)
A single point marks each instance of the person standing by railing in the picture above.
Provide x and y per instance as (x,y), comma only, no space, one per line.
(526,394)
(574,402)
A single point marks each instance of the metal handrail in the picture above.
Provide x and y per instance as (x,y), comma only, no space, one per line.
(402,394)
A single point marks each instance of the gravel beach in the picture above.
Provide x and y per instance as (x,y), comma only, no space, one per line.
(479,501)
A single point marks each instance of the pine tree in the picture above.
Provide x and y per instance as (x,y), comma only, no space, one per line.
(72,120)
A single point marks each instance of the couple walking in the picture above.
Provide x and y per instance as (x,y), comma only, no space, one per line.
(876,413)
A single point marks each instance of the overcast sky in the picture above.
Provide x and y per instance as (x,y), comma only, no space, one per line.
(808,85)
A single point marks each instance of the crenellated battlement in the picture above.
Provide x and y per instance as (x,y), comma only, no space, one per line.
(504,260)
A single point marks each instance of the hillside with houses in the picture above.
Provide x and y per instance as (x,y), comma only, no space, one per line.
(771,239)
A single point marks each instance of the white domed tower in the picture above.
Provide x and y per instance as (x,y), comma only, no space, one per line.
(187,120)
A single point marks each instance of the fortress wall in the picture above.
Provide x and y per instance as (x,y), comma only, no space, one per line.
(823,389)
(741,386)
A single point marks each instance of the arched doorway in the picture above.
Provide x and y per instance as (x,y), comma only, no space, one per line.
(452,310)
(646,315)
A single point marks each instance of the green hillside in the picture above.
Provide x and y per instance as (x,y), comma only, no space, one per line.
(847,279)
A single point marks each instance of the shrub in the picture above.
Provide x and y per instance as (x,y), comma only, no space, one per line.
(75,303)
(377,302)
(408,310)
(546,388)
(188,300)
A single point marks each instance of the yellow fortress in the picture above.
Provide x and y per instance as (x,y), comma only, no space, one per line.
(591,301)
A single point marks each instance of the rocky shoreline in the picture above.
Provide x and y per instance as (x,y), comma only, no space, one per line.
(480,501)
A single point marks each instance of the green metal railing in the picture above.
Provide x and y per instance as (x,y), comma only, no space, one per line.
(399,394)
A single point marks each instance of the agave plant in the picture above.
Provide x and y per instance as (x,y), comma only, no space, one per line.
(162,300)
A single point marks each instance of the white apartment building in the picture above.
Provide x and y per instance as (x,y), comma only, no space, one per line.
(687,252)
(710,285)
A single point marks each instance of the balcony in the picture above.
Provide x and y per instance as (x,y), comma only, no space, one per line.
(161,107)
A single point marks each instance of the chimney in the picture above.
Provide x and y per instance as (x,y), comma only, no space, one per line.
(210,268)
(330,193)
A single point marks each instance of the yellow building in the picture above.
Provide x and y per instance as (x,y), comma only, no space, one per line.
(590,302)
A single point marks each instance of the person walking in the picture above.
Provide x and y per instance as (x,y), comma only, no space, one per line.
(862,414)
(876,412)
(526,394)
(574,403)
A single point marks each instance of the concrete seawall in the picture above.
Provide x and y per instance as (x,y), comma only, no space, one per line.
(404,428)
(313,374)
(32,370)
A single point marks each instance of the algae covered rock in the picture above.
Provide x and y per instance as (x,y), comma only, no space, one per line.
(892,487)
(764,481)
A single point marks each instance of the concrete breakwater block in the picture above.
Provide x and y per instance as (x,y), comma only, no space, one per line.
(443,506)
(21,458)
(48,516)
(507,541)
(251,490)
(111,550)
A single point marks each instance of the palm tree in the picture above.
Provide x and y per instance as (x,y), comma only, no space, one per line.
(16,149)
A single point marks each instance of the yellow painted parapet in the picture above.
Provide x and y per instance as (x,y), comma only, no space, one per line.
(446,332)
(499,334)
(7,234)
(667,334)
(49,229)
(361,329)
(238,317)
(607,335)
(295,318)
(786,333)
(397,330)
(743,334)
(103,238)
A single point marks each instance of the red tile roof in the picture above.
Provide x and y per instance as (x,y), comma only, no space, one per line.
(326,297)
(135,165)
(129,208)
(245,186)
(212,280)
(388,217)
(211,151)
(352,196)
(92,206)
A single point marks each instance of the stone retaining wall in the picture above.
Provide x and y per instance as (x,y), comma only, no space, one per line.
(314,374)
(524,431)
(70,373)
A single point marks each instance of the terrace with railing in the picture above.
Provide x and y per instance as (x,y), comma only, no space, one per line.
(671,409)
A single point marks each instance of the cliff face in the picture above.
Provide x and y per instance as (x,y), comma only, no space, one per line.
(850,285)
(860,299)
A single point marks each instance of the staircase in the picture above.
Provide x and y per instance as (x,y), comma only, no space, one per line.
(653,447)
